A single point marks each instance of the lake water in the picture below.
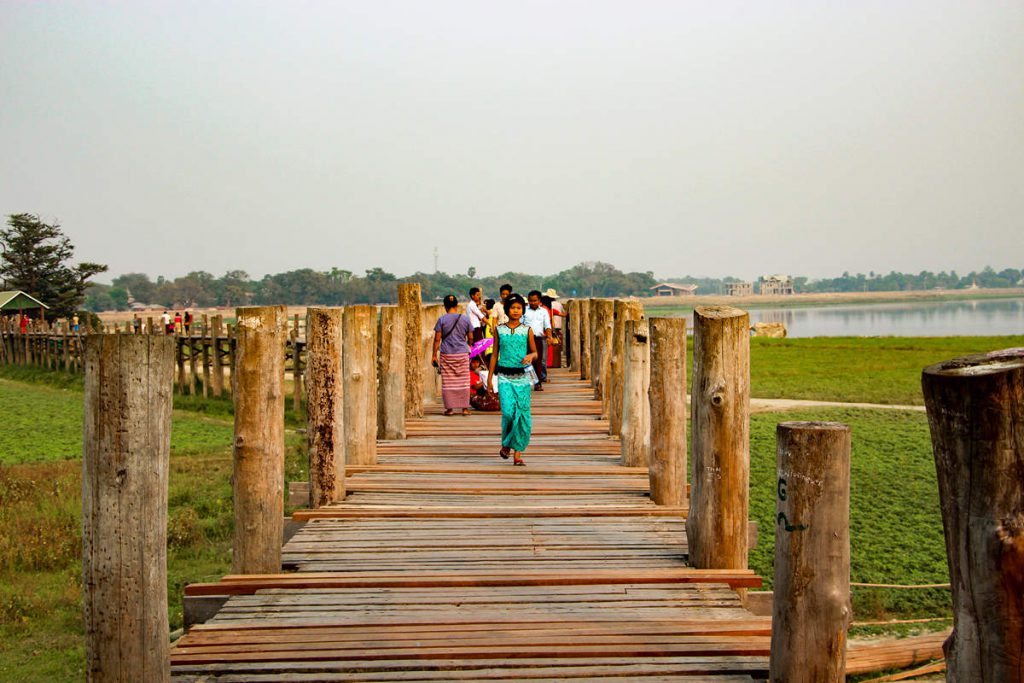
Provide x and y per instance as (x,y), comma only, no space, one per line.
(981,317)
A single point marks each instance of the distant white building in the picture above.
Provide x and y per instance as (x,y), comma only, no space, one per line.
(671,289)
(776,285)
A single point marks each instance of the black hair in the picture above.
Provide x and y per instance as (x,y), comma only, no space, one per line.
(473,290)
(450,302)
(547,301)
(534,292)
(514,298)
(489,303)
(505,288)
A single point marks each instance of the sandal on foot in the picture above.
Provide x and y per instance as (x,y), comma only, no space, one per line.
(465,411)
(504,452)
(518,461)
(447,411)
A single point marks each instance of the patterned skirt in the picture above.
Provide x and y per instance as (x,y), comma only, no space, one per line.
(454,380)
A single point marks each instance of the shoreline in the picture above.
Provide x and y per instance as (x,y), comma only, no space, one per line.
(830,298)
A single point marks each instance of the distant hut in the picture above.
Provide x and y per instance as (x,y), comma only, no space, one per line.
(739,288)
(776,285)
(20,301)
(670,289)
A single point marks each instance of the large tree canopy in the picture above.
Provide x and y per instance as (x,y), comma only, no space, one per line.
(36,259)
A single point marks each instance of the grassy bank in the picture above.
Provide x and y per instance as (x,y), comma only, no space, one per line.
(40,519)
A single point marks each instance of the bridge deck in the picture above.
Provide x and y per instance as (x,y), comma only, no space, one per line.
(445,563)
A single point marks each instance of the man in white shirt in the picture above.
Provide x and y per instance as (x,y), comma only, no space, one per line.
(537,319)
(475,314)
(499,307)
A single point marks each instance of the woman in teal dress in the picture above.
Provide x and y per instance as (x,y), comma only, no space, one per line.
(514,351)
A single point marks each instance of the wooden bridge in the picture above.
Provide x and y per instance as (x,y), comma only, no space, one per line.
(446,563)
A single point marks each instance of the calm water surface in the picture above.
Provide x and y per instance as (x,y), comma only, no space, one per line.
(922,319)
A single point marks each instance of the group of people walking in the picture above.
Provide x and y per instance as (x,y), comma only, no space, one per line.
(176,324)
(496,355)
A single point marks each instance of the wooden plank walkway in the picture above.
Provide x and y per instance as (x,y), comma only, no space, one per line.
(446,563)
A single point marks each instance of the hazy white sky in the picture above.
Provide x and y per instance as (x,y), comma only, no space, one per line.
(678,137)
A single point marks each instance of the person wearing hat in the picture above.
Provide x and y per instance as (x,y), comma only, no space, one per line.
(557,312)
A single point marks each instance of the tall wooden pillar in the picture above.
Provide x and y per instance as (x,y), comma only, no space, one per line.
(391,393)
(259,439)
(125,466)
(583,308)
(624,311)
(604,321)
(720,479)
(667,461)
(636,407)
(976,414)
(360,364)
(412,311)
(811,610)
(431,380)
(325,405)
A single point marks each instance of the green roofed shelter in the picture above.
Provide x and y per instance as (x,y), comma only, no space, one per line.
(19,301)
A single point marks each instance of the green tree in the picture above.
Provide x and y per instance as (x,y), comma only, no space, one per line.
(36,259)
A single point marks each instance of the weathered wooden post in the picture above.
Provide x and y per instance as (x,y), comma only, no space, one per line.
(297,389)
(206,358)
(716,528)
(359,332)
(624,311)
(391,394)
(583,313)
(811,608)
(325,406)
(976,415)
(572,334)
(431,379)
(125,464)
(636,407)
(667,459)
(259,439)
(191,365)
(412,311)
(602,345)
(217,384)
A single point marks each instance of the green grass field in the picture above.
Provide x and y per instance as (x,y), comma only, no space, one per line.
(895,526)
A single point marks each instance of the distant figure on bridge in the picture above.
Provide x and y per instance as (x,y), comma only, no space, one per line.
(505,291)
(550,302)
(453,335)
(188,322)
(476,313)
(23,324)
(166,320)
(514,351)
(177,322)
(537,318)
(74,323)
(137,324)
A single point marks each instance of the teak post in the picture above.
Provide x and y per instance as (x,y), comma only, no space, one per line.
(811,608)
(667,459)
(325,406)
(218,367)
(412,312)
(129,383)
(572,329)
(636,407)
(976,415)
(391,394)
(583,312)
(359,331)
(624,311)
(716,527)
(259,439)
(431,378)
(602,343)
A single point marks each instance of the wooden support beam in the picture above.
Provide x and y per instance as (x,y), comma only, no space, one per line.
(259,439)
(129,382)
(811,610)
(217,384)
(359,332)
(720,475)
(624,311)
(635,428)
(391,376)
(583,309)
(431,378)
(325,406)
(667,460)
(601,343)
(976,414)
(412,311)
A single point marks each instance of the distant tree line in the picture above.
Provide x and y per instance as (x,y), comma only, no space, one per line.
(338,287)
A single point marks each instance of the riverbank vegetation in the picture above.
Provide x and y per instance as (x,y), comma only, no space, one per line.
(337,286)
